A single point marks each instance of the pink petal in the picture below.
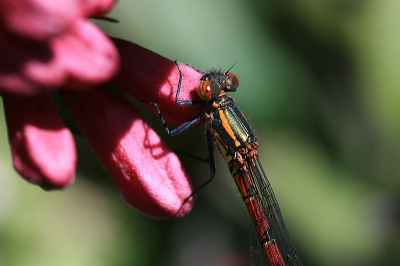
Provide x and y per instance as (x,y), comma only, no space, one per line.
(43,149)
(149,176)
(86,57)
(81,58)
(152,78)
(43,19)
(94,8)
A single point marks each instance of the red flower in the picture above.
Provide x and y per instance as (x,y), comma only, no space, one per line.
(45,45)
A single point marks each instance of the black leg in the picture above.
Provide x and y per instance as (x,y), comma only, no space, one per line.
(195,157)
(188,123)
(178,91)
(210,145)
(181,127)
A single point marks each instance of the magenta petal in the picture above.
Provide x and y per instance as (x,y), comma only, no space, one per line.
(93,8)
(79,59)
(38,19)
(43,149)
(149,176)
(44,19)
(152,78)
(46,44)
(86,56)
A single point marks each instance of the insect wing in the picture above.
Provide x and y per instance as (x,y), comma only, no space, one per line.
(257,255)
(273,214)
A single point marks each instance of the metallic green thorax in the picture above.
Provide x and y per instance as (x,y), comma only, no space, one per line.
(231,130)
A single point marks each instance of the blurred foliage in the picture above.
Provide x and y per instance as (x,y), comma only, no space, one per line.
(319,83)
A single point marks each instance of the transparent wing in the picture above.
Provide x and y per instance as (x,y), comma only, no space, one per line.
(273,214)
(257,255)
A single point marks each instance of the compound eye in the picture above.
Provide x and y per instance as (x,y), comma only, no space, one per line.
(205,90)
(233,75)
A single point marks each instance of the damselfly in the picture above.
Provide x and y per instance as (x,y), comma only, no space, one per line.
(228,128)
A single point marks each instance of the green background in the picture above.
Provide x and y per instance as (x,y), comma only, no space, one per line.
(319,82)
